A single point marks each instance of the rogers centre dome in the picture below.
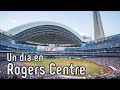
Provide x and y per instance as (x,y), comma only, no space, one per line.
(46,32)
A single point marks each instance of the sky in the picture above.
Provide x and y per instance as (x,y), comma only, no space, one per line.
(80,21)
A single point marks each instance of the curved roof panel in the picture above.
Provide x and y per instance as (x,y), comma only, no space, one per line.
(46,30)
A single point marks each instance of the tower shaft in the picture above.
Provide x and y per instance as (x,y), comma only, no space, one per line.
(98,28)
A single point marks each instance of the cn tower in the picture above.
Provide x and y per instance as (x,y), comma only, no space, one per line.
(98,27)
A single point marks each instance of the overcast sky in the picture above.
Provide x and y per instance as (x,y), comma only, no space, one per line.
(80,21)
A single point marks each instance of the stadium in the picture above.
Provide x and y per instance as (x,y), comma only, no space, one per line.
(63,45)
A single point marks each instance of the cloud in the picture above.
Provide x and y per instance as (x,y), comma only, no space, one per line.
(13,21)
(81,33)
